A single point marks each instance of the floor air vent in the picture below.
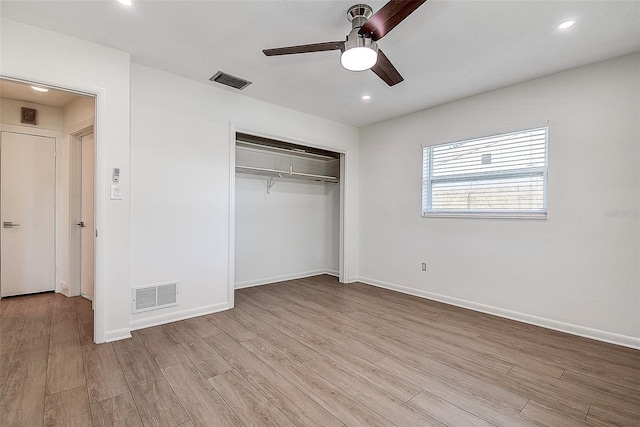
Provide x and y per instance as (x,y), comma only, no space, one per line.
(229,80)
(154,297)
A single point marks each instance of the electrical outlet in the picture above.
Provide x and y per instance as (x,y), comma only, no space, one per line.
(424,266)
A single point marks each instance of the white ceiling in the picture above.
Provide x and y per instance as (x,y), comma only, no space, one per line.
(23,92)
(445,50)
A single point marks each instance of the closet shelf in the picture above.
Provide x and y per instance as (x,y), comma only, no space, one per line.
(275,173)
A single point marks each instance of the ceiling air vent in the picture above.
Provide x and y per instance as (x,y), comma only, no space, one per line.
(229,80)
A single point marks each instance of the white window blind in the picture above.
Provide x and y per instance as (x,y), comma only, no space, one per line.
(498,175)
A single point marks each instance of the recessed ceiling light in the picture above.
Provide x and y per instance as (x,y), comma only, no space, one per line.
(39,89)
(125,2)
(566,25)
(366,97)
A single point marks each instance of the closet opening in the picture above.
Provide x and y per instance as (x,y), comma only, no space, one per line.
(288,211)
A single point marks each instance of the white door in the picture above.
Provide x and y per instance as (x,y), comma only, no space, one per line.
(27,175)
(87,233)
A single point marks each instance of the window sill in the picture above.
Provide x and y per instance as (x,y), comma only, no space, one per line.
(488,215)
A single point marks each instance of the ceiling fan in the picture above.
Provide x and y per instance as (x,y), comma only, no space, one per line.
(360,51)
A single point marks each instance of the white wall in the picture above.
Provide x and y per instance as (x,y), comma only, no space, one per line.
(280,235)
(46,57)
(576,271)
(47,117)
(181,139)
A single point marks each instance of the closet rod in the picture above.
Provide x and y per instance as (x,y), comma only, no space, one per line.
(285,174)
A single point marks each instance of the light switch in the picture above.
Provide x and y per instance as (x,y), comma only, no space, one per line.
(116,192)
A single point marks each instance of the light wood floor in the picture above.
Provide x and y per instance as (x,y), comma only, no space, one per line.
(309,352)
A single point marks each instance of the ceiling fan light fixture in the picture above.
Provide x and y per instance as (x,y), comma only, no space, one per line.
(360,53)
(359,58)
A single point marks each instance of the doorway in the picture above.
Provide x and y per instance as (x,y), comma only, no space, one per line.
(37,200)
(304,214)
(81,213)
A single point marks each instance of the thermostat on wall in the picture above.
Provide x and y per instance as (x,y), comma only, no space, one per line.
(116,174)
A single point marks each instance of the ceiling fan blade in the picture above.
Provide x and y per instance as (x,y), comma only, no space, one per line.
(385,70)
(390,15)
(305,48)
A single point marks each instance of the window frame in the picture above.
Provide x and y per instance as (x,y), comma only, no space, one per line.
(537,214)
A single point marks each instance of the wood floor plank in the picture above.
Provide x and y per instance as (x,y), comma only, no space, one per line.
(65,366)
(551,391)
(566,359)
(445,352)
(392,408)
(117,411)
(331,332)
(606,418)
(483,408)
(481,388)
(5,367)
(362,322)
(261,345)
(203,404)
(392,384)
(38,320)
(180,332)
(69,408)
(205,358)
(446,412)
(367,370)
(162,348)
(157,404)
(247,402)
(85,331)
(599,350)
(292,402)
(136,362)
(103,374)
(292,347)
(549,417)
(203,326)
(341,405)
(230,326)
(63,308)
(83,306)
(12,314)
(9,340)
(22,402)
(609,388)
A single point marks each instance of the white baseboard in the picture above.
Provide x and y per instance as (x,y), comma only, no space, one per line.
(175,316)
(583,331)
(334,273)
(275,279)
(117,334)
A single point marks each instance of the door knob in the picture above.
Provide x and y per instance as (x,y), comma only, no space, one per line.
(9,224)
(81,224)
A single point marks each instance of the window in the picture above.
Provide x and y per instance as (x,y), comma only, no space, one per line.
(496,176)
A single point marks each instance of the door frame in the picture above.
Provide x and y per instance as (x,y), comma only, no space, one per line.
(75,199)
(35,77)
